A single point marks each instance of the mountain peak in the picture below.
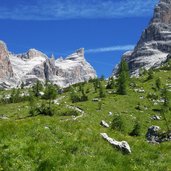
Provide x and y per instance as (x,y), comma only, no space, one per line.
(78,55)
(155,42)
(6,71)
(162,12)
(3,49)
(32,53)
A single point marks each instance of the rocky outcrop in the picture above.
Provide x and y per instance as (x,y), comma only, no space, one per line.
(152,134)
(33,65)
(155,42)
(6,71)
(73,69)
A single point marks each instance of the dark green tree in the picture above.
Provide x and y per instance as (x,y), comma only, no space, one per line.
(37,87)
(150,74)
(166,107)
(50,93)
(110,83)
(96,83)
(84,97)
(32,104)
(102,92)
(15,96)
(158,83)
(74,96)
(123,78)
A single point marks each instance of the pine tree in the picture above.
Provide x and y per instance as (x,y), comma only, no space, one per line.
(158,83)
(150,74)
(74,96)
(111,83)
(37,88)
(123,78)
(32,103)
(96,83)
(101,91)
(50,93)
(165,108)
(84,97)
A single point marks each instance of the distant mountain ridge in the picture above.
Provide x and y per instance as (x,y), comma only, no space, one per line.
(33,65)
(154,45)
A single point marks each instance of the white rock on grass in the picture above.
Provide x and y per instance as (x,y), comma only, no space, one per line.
(155,117)
(121,145)
(104,124)
(4,117)
(152,134)
(110,113)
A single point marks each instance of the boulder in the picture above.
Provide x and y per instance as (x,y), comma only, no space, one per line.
(104,124)
(121,145)
(110,113)
(155,117)
(152,134)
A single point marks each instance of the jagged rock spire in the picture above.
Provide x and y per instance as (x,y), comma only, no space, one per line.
(155,42)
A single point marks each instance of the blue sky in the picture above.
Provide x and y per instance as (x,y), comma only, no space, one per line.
(105,28)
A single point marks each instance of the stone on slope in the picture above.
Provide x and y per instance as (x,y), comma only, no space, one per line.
(123,145)
(104,124)
(152,134)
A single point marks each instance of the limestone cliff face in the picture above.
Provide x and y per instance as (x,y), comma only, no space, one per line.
(34,65)
(6,71)
(73,69)
(155,43)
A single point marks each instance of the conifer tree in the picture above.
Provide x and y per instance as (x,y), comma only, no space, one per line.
(165,108)
(37,88)
(123,78)
(111,83)
(101,91)
(158,83)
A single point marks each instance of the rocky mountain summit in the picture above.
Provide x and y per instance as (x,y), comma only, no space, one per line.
(33,65)
(5,65)
(155,42)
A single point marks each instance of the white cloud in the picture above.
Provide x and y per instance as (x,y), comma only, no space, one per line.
(69,9)
(111,49)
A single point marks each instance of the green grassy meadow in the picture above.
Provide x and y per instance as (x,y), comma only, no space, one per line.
(62,143)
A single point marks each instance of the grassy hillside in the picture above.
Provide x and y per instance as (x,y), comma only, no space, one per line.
(67,143)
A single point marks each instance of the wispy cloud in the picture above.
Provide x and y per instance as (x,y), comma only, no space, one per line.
(71,9)
(110,49)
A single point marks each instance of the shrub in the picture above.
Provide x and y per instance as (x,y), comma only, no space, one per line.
(136,130)
(46,110)
(150,75)
(69,112)
(117,123)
